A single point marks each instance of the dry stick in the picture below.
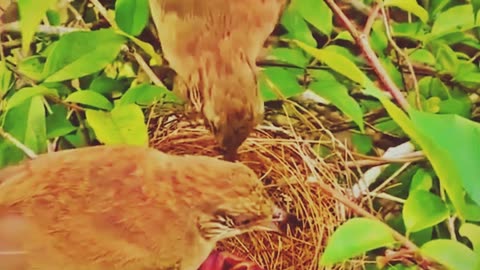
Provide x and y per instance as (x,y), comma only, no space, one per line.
(362,41)
(29,152)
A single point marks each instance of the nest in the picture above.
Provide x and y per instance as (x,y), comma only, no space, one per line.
(288,167)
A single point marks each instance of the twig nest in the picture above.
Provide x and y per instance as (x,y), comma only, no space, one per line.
(286,165)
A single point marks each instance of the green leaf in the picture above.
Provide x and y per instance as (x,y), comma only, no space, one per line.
(32,67)
(425,132)
(6,79)
(132,15)
(317,13)
(125,124)
(297,27)
(409,6)
(81,53)
(90,98)
(26,93)
(355,237)
(26,123)
(107,86)
(290,56)
(57,122)
(147,94)
(363,143)
(31,13)
(458,157)
(337,93)
(447,60)
(281,79)
(422,210)
(472,232)
(451,254)
(335,61)
(444,24)
(421,180)
(422,56)
(476,8)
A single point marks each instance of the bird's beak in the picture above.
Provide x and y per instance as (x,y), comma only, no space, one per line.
(274,223)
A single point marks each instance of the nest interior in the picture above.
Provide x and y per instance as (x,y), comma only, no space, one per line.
(287,167)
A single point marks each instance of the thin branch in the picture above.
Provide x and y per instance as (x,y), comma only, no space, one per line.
(43,29)
(362,41)
(28,152)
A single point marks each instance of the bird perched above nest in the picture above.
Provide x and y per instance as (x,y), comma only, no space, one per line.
(125,208)
(213,45)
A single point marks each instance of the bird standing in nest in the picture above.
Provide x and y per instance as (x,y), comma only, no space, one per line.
(94,209)
(213,45)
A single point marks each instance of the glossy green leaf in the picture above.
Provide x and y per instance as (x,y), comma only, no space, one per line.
(290,56)
(443,160)
(335,61)
(451,254)
(6,79)
(422,56)
(90,98)
(472,232)
(58,123)
(444,24)
(409,6)
(147,94)
(460,157)
(355,237)
(26,123)
(32,67)
(297,27)
(28,92)
(282,79)
(132,15)
(317,13)
(81,53)
(337,93)
(421,180)
(423,209)
(125,124)
(31,13)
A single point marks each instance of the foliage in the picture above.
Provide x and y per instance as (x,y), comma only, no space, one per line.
(82,85)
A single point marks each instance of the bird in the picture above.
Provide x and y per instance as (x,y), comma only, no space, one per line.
(125,208)
(213,46)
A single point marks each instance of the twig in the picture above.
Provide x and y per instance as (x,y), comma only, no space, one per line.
(148,70)
(362,41)
(28,152)
(43,29)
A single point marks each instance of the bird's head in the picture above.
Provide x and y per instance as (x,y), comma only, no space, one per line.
(240,204)
(232,105)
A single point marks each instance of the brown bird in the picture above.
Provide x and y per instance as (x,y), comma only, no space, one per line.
(213,45)
(125,208)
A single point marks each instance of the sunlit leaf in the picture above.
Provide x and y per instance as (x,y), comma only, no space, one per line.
(26,93)
(123,125)
(90,98)
(146,94)
(316,13)
(132,15)
(423,209)
(355,237)
(409,6)
(337,93)
(31,14)
(451,254)
(81,53)
(335,61)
